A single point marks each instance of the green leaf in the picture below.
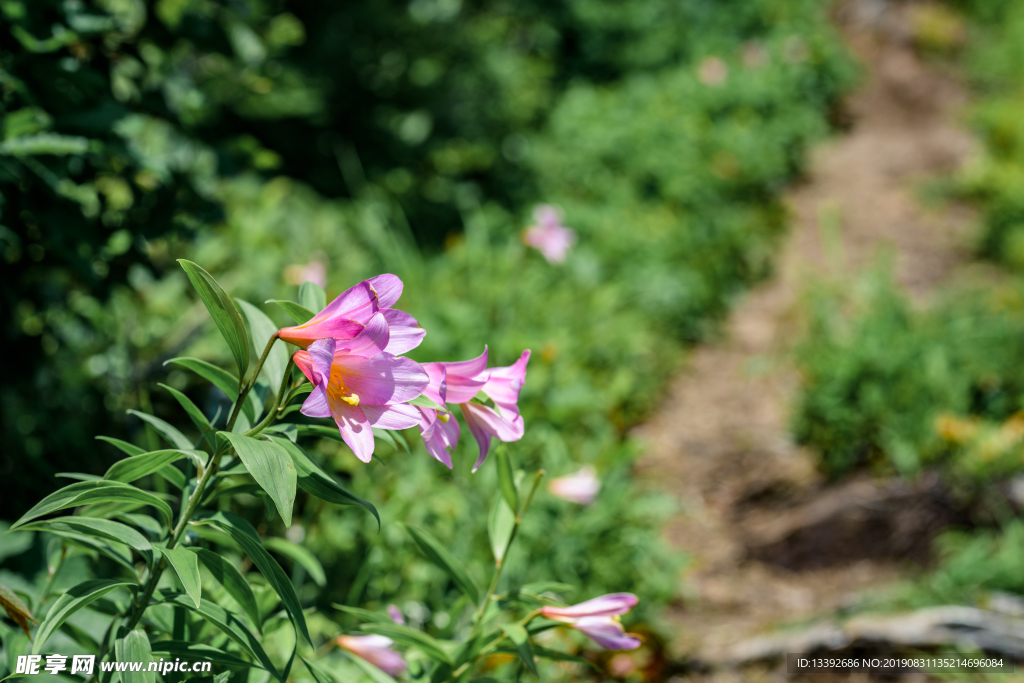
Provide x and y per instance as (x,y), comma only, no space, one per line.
(98,528)
(218,377)
(393,439)
(409,636)
(440,556)
(375,674)
(70,602)
(198,652)
(300,390)
(138,466)
(144,522)
(506,480)
(296,553)
(14,545)
(223,312)
(232,581)
(173,476)
(246,538)
(272,468)
(318,674)
(88,492)
(134,647)
(364,614)
(171,434)
(130,449)
(261,329)
(500,525)
(312,296)
(289,431)
(425,402)
(186,566)
(78,476)
(316,482)
(116,552)
(297,313)
(518,635)
(194,414)
(227,623)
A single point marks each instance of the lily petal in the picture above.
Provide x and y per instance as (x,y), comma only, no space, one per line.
(603,606)
(387,288)
(368,343)
(607,633)
(381,380)
(354,427)
(406,333)
(484,422)
(394,416)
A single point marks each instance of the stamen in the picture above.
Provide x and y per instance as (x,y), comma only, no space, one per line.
(443,417)
(352,399)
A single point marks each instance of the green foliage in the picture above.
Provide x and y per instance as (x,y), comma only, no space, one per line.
(900,389)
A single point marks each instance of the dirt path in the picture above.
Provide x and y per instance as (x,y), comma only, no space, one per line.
(721,442)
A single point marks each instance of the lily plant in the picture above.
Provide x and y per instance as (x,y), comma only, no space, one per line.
(160,515)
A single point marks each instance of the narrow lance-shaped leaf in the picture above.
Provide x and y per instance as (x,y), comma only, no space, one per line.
(272,468)
(99,528)
(417,639)
(316,482)
(246,538)
(186,566)
(426,402)
(506,480)
(87,492)
(500,525)
(223,312)
(518,635)
(440,556)
(134,647)
(300,556)
(198,652)
(129,448)
(312,296)
(232,581)
(227,623)
(70,602)
(190,408)
(299,314)
(139,466)
(164,429)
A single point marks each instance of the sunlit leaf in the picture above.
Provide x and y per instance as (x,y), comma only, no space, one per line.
(506,480)
(262,329)
(223,312)
(190,408)
(232,581)
(312,296)
(198,652)
(246,538)
(272,468)
(104,529)
(500,525)
(70,602)
(440,556)
(134,647)
(316,482)
(138,466)
(186,566)
(170,433)
(87,492)
(423,401)
(130,449)
(299,314)
(518,635)
(365,614)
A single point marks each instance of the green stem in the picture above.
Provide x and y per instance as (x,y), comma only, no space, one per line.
(250,384)
(499,564)
(211,469)
(272,410)
(492,646)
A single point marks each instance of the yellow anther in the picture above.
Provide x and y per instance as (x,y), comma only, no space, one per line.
(352,399)
(443,417)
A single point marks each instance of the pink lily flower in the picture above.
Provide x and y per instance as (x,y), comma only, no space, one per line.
(581,487)
(361,386)
(376,650)
(349,313)
(598,619)
(396,615)
(440,433)
(548,235)
(461,382)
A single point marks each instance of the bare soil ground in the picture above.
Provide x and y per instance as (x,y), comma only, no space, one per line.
(771,543)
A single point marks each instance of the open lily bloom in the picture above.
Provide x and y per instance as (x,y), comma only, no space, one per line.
(548,235)
(461,382)
(581,487)
(376,650)
(361,386)
(347,316)
(598,619)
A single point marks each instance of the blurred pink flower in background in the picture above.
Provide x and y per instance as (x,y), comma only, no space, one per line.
(396,615)
(581,487)
(376,650)
(548,235)
(315,271)
(598,619)
(712,71)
